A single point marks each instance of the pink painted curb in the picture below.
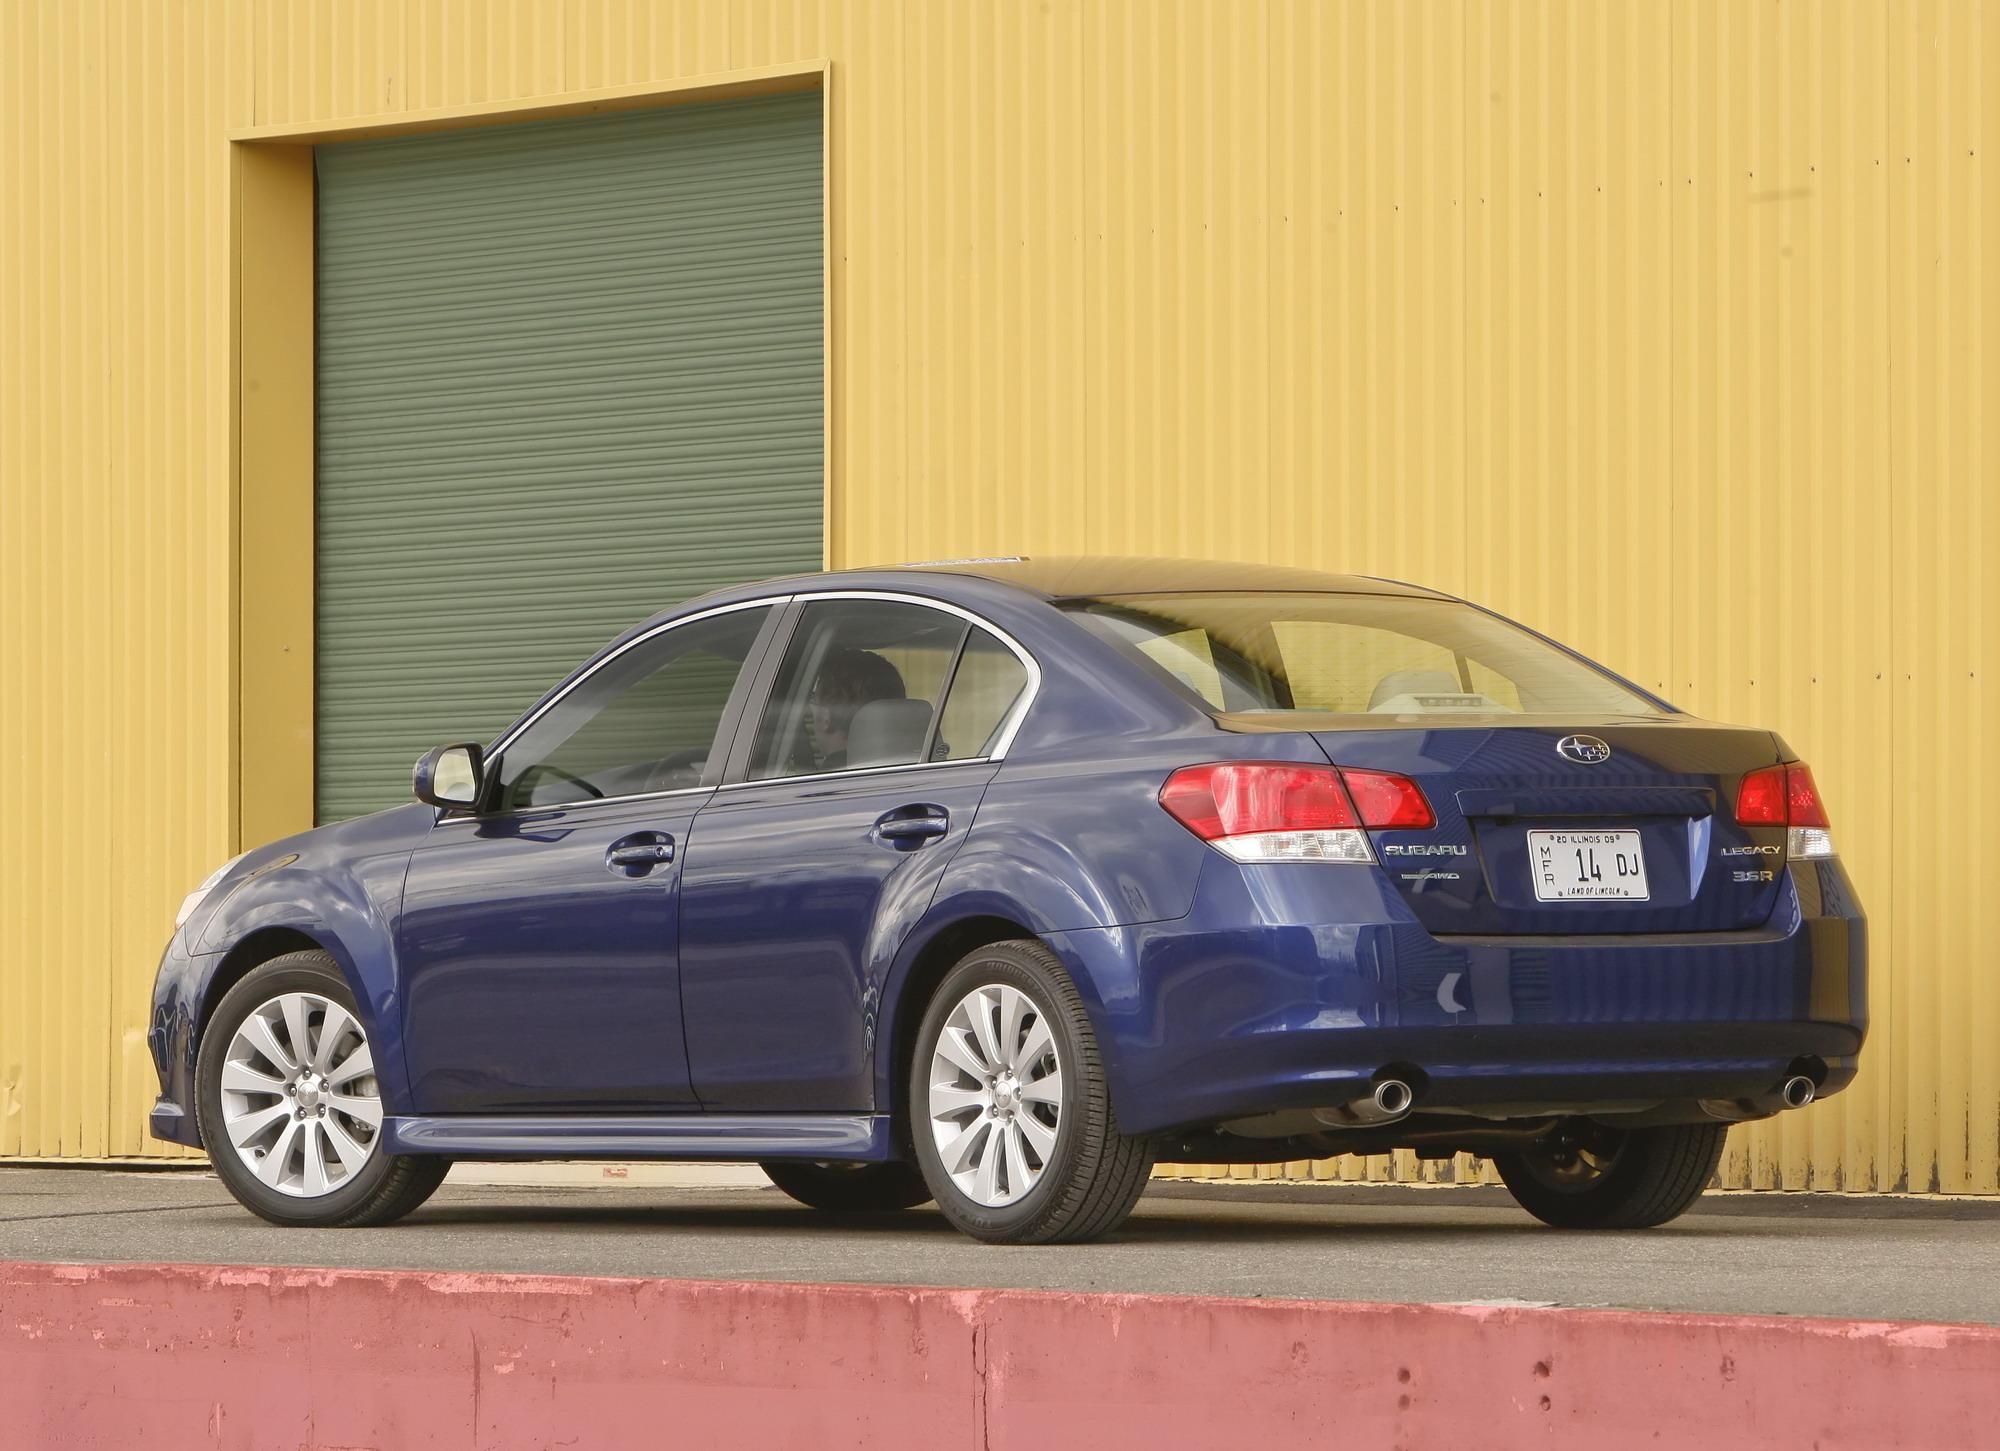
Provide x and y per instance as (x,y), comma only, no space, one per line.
(160,1357)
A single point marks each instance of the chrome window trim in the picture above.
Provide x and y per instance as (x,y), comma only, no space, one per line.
(1001,741)
(1008,730)
(857,771)
(558,806)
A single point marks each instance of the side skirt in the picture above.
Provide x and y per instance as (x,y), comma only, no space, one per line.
(863,1136)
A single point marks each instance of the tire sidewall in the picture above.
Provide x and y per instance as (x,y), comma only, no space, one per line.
(310,972)
(992,967)
(850,1188)
(1614,1201)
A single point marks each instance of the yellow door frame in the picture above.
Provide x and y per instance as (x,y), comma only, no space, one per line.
(271,420)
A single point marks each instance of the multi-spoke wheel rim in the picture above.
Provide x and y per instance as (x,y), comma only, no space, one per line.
(300,1101)
(996,1094)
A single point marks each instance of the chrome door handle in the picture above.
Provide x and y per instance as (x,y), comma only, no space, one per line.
(913,829)
(640,852)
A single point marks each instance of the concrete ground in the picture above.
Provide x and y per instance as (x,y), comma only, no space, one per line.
(1818,1255)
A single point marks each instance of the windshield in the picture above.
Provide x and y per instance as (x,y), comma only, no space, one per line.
(1352,654)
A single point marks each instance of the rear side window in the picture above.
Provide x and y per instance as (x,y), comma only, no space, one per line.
(985,688)
(1352,655)
(872,683)
(858,688)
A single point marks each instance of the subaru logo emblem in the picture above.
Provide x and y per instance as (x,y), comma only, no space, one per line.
(1588,750)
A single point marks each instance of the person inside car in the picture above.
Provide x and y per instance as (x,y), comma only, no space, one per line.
(848,680)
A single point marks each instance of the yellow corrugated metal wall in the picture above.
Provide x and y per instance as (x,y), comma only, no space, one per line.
(1669,328)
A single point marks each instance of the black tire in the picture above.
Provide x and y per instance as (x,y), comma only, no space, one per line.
(849,1188)
(1094,1174)
(383,1190)
(1595,1177)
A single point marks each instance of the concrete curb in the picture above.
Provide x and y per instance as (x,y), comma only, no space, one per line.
(202,1356)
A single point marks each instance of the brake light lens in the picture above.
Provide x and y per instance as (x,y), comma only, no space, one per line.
(1388,802)
(1787,796)
(1802,796)
(1760,799)
(1283,811)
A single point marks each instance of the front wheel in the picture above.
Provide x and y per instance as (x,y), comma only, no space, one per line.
(290,1107)
(1591,1176)
(1010,1113)
(849,1188)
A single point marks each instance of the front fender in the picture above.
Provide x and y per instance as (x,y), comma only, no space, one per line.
(341,886)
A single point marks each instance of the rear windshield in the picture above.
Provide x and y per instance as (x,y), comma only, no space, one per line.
(1352,655)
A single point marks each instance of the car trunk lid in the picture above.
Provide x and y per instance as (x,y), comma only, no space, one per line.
(1612,825)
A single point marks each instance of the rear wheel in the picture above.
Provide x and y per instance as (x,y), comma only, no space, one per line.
(290,1107)
(1591,1176)
(849,1188)
(1010,1113)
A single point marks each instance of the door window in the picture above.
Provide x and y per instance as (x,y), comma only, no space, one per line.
(858,688)
(643,722)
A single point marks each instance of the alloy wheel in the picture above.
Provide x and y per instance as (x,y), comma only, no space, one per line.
(300,1100)
(996,1094)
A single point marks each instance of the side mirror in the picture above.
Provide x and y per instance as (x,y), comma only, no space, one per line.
(451,776)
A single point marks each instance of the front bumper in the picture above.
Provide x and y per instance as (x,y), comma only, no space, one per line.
(1291,987)
(170,1037)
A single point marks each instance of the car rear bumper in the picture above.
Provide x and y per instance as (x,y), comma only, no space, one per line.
(1294,986)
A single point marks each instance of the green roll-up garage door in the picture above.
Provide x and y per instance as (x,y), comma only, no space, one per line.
(568,373)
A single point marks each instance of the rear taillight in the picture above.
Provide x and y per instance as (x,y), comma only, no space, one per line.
(1787,796)
(1283,811)
(1388,802)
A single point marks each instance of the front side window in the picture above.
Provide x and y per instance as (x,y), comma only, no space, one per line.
(862,683)
(643,722)
(1352,654)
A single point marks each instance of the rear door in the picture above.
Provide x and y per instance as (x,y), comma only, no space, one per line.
(1603,825)
(826,842)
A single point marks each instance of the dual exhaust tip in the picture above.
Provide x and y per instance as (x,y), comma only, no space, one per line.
(1392,1099)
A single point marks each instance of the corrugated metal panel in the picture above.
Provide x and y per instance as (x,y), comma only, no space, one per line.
(569,373)
(114,541)
(1669,328)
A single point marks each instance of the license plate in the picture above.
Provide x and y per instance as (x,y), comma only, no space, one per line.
(1587,866)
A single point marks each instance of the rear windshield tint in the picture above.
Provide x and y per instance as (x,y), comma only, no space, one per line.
(1352,655)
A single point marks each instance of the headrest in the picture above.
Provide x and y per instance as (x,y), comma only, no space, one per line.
(1415,682)
(887,733)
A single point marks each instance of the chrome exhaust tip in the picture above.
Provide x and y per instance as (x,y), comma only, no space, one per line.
(1798,1091)
(1389,1101)
(1393,1099)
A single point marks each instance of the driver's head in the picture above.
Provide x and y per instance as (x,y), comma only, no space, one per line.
(848,680)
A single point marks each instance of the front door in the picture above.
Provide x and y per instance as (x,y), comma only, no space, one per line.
(810,865)
(538,943)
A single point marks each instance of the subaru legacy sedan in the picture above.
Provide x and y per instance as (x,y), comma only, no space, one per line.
(996,882)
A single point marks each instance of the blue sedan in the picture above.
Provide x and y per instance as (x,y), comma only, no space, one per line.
(996,882)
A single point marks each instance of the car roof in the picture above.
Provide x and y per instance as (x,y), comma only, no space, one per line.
(1069,576)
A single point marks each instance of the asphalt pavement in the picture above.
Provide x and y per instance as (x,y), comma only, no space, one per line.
(1794,1254)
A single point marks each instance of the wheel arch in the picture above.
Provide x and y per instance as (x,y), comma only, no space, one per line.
(931,955)
(272,935)
(258,948)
